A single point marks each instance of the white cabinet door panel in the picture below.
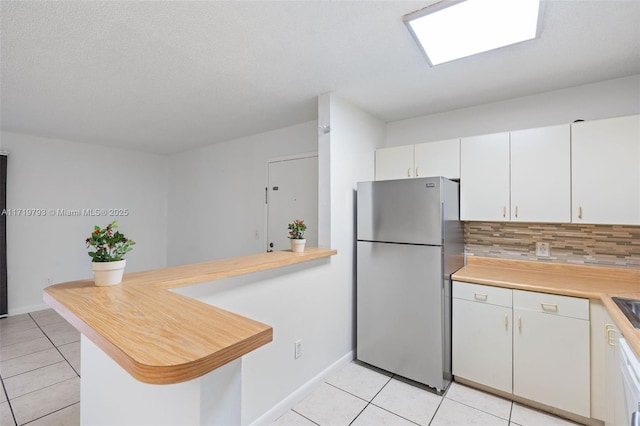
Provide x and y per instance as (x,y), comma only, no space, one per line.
(482,343)
(551,361)
(394,163)
(484,178)
(541,175)
(605,167)
(441,158)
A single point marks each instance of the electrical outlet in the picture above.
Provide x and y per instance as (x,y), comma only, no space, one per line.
(542,249)
(297,349)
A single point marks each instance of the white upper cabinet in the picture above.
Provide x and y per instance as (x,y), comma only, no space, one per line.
(484,178)
(440,158)
(394,163)
(605,166)
(541,175)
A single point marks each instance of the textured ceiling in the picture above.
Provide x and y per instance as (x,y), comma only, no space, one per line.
(169,76)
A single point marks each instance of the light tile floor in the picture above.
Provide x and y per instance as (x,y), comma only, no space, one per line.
(362,396)
(40,378)
(39,370)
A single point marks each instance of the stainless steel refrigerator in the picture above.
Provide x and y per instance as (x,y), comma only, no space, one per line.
(409,242)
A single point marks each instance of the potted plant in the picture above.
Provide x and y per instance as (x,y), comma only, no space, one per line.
(107,259)
(296,235)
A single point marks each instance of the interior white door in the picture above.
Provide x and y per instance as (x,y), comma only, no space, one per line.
(292,193)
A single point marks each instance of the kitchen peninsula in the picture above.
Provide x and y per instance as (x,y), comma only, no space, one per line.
(140,329)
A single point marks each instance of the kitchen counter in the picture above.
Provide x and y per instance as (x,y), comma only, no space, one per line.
(592,282)
(159,336)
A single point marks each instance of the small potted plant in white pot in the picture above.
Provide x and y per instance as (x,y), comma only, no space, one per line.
(296,235)
(107,259)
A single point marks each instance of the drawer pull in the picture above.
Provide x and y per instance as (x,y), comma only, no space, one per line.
(549,307)
(516,211)
(408,172)
(480,296)
(579,212)
(504,211)
(506,321)
(610,334)
(417,171)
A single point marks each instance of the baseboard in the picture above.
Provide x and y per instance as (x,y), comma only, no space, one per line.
(27,309)
(303,391)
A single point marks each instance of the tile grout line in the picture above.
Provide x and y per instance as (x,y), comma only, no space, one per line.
(302,415)
(54,345)
(15,421)
(48,414)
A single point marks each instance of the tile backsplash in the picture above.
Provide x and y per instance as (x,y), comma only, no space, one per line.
(604,245)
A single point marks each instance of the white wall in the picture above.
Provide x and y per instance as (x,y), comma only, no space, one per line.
(216,194)
(312,301)
(605,99)
(55,174)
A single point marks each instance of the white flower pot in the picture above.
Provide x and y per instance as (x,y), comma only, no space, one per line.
(297,246)
(108,273)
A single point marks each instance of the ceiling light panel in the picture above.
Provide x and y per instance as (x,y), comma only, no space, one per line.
(450,30)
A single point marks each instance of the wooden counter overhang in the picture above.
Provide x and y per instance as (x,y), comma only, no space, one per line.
(591,282)
(162,337)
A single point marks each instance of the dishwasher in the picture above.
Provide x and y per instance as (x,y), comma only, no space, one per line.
(630,367)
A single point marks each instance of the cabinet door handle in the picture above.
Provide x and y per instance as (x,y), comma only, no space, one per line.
(549,307)
(579,212)
(516,211)
(409,172)
(610,334)
(417,171)
(519,323)
(480,296)
(504,211)
(506,321)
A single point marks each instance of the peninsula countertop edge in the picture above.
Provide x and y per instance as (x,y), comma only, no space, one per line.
(162,337)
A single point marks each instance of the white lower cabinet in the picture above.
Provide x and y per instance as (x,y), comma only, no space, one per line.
(551,350)
(540,352)
(481,327)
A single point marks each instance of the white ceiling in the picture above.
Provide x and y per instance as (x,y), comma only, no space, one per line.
(169,76)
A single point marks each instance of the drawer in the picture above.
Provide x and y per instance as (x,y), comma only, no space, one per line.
(554,304)
(482,293)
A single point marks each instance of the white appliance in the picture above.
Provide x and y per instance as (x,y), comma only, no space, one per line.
(409,242)
(630,367)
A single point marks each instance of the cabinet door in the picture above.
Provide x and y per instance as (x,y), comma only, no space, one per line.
(605,167)
(484,178)
(440,158)
(551,360)
(541,175)
(394,163)
(482,343)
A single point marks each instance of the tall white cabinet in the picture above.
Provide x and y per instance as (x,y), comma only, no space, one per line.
(605,167)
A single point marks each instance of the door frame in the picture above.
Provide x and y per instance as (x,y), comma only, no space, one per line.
(265,224)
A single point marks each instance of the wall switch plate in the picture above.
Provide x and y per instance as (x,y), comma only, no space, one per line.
(298,349)
(542,249)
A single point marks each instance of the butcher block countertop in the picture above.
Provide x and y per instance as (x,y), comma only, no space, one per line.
(592,282)
(162,337)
